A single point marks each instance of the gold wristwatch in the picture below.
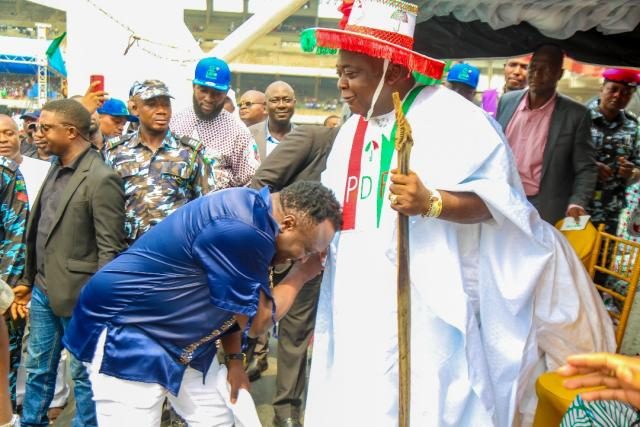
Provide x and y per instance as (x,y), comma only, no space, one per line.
(433,208)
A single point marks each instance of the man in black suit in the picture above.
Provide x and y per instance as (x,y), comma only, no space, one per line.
(75,227)
(551,140)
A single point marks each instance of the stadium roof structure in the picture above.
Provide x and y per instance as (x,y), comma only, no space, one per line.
(20,55)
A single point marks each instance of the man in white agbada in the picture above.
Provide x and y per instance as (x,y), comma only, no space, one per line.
(497,295)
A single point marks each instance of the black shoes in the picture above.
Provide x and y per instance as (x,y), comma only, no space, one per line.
(287,422)
(256,367)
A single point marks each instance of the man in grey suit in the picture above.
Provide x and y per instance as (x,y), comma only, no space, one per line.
(75,227)
(551,140)
(281,104)
(301,156)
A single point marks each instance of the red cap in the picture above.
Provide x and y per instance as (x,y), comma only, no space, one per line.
(622,75)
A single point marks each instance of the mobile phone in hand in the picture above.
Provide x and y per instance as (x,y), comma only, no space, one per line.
(97,78)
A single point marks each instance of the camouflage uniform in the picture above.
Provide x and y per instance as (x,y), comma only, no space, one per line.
(156,184)
(14,208)
(618,138)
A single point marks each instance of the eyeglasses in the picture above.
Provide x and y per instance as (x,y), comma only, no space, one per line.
(44,128)
(248,104)
(284,99)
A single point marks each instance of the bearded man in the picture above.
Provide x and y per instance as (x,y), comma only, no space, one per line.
(227,141)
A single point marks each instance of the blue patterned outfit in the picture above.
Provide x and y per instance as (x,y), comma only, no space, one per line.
(14,209)
(600,413)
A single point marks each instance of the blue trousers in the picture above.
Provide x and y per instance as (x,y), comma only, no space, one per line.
(43,356)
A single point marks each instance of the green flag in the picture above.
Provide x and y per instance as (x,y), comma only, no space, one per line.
(55,57)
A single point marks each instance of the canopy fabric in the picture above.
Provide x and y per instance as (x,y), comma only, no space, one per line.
(448,37)
(558,19)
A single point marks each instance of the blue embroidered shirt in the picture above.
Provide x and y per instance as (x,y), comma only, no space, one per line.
(175,291)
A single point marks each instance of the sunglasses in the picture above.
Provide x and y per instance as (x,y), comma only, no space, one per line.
(248,104)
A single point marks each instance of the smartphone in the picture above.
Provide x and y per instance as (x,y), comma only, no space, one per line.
(97,78)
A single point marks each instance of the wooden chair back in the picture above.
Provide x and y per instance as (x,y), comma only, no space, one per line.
(616,259)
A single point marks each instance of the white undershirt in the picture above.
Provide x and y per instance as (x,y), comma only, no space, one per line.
(34,172)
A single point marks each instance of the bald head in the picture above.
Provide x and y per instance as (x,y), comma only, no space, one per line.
(279,86)
(281,103)
(252,107)
(253,94)
(9,122)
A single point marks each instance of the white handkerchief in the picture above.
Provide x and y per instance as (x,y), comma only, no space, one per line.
(244,410)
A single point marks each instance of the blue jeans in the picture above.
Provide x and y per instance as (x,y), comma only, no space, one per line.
(43,356)
(16,332)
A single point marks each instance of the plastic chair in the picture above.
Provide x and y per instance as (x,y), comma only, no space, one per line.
(582,241)
(612,259)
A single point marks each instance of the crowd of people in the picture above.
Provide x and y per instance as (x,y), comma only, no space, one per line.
(15,86)
(21,86)
(147,254)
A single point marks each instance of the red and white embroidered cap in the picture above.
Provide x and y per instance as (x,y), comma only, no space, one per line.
(379,28)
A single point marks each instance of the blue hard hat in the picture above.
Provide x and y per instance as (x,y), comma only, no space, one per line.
(464,73)
(115,107)
(213,73)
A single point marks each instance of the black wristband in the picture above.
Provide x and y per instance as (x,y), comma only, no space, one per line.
(234,356)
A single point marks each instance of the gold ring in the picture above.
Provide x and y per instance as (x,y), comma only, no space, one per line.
(394,199)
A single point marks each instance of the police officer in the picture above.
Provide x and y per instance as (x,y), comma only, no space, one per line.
(615,136)
(160,170)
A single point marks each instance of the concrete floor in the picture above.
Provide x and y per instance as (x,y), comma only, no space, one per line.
(262,391)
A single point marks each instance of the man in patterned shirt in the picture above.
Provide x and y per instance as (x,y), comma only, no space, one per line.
(226,139)
(617,142)
(13,211)
(14,207)
(160,170)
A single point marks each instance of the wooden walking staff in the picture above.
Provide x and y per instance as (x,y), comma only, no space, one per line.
(403,142)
